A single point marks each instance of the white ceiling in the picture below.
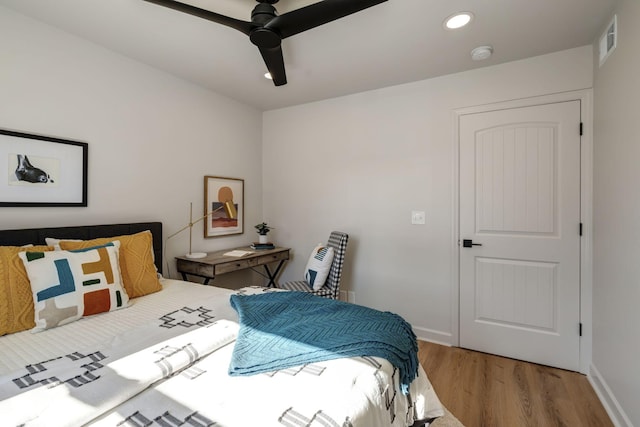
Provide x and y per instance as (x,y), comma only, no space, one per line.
(395,42)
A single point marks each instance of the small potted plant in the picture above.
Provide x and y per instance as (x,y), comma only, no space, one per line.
(263,230)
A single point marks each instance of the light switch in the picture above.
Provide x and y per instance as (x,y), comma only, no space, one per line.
(417,217)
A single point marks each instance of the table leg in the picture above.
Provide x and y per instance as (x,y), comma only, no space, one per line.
(272,276)
(206,279)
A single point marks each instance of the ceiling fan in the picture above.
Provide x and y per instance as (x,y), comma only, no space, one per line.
(267,29)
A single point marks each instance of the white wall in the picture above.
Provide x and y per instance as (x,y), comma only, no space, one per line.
(616,270)
(362,163)
(359,164)
(152,137)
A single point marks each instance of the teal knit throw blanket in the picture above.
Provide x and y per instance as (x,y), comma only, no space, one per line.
(279,330)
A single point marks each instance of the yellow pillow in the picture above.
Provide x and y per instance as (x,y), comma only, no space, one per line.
(16,300)
(139,274)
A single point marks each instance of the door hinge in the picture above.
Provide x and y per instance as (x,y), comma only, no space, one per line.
(580,329)
(581,129)
(581,229)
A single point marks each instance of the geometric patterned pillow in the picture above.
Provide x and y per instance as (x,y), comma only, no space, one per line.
(68,285)
(318,266)
(139,272)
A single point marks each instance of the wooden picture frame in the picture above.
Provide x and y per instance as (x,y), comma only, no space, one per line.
(218,190)
(38,171)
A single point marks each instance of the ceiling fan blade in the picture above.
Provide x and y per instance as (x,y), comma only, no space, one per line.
(316,14)
(243,26)
(275,64)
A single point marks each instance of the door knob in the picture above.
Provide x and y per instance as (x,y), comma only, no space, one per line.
(467,243)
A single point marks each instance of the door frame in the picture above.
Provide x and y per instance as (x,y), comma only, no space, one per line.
(586,210)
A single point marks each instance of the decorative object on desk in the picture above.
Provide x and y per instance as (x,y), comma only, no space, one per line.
(262,246)
(263,230)
(218,192)
(42,170)
(230,211)
(237,253)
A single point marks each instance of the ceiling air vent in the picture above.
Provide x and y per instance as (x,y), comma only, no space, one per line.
(609,40)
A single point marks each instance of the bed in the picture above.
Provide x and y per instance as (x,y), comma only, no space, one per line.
(164,357)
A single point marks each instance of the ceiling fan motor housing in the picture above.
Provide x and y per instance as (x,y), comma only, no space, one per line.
(263,13)
(265,38)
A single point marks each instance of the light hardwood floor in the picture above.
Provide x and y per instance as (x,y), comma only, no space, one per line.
(492,391)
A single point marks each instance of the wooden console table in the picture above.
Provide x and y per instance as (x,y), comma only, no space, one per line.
(217,263)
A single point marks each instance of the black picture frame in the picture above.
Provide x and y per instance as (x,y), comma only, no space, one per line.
(42,171)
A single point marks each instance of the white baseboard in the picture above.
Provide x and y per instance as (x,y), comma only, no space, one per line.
(437,337)
(609,401)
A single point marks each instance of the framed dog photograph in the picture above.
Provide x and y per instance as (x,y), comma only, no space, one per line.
(38,170)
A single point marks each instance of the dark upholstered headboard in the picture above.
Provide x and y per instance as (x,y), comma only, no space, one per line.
(84,232)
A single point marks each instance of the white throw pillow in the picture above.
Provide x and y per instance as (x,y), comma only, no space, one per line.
(318,266)
(52,241)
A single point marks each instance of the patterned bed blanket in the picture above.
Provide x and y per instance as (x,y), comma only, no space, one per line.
(284,329)
(163,375)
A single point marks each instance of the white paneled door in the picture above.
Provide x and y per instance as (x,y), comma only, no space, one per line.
(520,233)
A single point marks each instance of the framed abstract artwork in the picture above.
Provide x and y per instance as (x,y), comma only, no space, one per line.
(224,206)
(38,170)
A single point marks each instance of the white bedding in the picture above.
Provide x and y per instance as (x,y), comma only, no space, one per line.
(164,361)
(23,348)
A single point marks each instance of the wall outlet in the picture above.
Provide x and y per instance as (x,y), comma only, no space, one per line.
(348,296)
(351,297)
(417,217)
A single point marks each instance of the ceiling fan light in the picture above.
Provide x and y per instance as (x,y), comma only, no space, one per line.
(267,75)
(458,20)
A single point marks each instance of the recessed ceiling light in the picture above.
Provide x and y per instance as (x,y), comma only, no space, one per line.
(481,53)
(267,75)
(458,20)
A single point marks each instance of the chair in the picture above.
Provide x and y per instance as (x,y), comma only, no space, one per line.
(331,288)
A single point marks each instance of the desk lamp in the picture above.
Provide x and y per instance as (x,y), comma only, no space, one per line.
(229,209)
